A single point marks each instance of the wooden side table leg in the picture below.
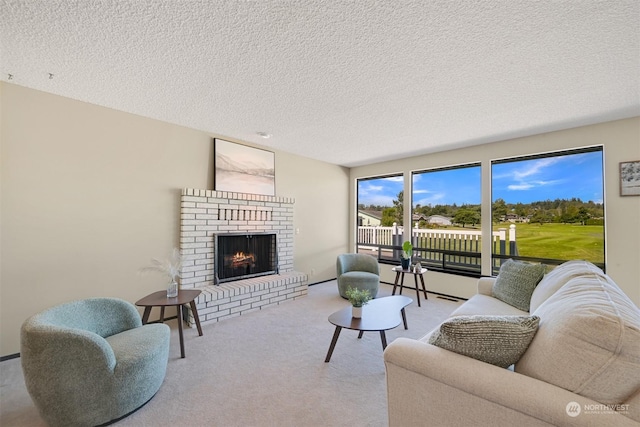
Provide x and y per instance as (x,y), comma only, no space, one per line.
(162,314)
(179,307)
(401,282)
(395,284)
(415,279)
(334,340)
(145,315)
(194,310)
(424,289)
(360,334)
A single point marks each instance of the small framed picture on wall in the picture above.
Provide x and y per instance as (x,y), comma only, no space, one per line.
(630,178)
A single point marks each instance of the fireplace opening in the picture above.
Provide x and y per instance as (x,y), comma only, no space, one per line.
(239,256)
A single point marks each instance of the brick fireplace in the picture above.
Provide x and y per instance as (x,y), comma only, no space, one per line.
(204,214)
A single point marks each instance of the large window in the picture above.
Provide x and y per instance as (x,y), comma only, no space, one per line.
(380,213)
(446,227)
(546,208)
(550,207)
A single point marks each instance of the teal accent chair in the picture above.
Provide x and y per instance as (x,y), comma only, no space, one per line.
(91,362)
(359,271)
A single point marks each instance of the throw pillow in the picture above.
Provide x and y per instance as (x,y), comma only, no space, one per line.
(516,282)
(499,340)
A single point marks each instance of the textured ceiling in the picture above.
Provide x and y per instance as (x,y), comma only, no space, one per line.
(346,82)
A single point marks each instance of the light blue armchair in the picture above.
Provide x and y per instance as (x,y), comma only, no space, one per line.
(89,362)
(359,271)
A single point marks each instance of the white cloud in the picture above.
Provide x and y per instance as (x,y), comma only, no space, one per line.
(527,185)
(399,178)
(518,187)
(372,188)
(535,168)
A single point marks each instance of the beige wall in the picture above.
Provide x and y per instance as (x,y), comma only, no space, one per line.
(90,194)
(621,141)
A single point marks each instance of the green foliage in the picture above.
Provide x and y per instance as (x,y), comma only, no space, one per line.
(357,297)
(498,210)
(567,211)
(444,210)
(407,250)
(398,205)
(395,213)
(388,217)
(466,216)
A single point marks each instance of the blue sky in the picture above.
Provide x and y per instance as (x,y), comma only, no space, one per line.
(562,177)
(460,186)
(381,191)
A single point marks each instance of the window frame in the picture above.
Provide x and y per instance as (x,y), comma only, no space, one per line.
(450,258)
(391,239)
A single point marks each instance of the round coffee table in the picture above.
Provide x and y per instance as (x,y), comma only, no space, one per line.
(380,314)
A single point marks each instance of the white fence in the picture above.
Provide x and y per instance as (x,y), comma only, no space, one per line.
(437,247)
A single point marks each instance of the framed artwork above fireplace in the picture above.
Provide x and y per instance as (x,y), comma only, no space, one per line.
(242,169)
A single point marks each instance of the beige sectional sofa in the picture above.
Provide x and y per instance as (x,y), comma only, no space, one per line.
(582,367)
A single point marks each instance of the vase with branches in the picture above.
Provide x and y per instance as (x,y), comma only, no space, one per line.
(170,268)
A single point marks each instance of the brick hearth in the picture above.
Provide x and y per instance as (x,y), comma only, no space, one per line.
(205,213)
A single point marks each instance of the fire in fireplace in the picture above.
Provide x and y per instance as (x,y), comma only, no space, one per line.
(239,256)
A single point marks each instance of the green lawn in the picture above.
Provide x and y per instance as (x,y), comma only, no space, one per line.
(563,241)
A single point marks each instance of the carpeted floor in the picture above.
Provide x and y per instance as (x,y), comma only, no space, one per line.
(265,368)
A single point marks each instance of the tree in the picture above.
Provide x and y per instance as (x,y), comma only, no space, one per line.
(398,206)
(541,216)
(499,210)
(521,210)
(466,216)
(569,214)
(388,217)
(583,215)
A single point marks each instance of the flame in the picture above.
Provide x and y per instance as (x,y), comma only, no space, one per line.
(240,259)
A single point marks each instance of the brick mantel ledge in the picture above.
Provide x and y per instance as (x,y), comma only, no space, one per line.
(231,299)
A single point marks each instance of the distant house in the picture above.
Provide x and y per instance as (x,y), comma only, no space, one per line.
(368,218)
(514,218)
(438,220)
(418,217)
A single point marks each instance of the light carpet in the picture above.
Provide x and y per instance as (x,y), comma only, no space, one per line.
(264,368)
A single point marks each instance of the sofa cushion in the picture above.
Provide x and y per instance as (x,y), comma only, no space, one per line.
(499,340)
(483,304)
(558,277)
(516,281)
(587,341)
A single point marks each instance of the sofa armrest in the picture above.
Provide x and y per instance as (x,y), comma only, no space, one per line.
(426,383)
(485,285)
